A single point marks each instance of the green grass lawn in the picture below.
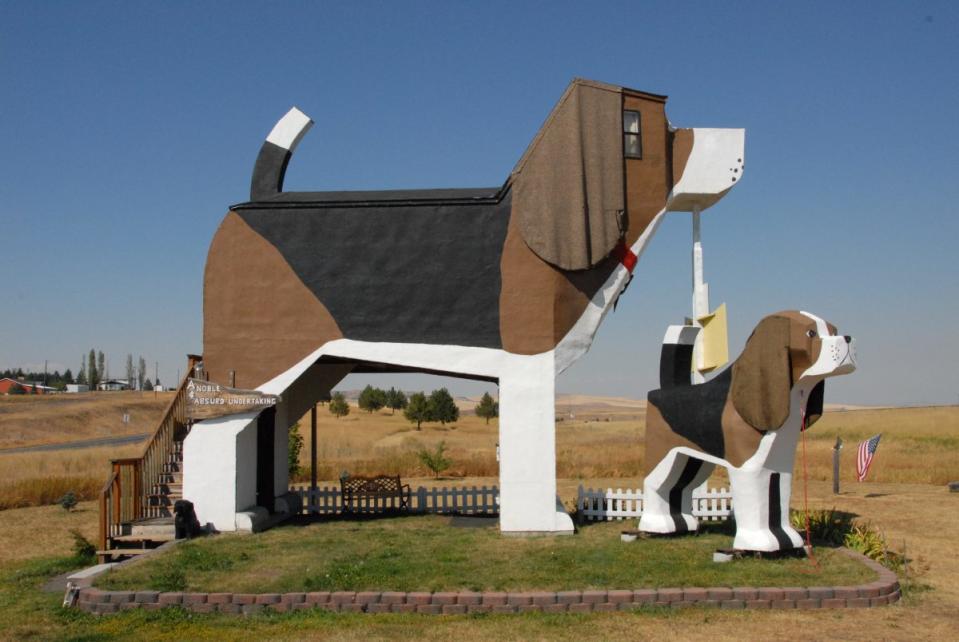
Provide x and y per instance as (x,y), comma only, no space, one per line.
(424,553)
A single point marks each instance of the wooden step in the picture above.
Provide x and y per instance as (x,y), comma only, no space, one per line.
(116,552)
(151,537)
(172,496)
(158,525)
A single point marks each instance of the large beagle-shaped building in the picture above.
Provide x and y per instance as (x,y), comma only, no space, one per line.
(506,284)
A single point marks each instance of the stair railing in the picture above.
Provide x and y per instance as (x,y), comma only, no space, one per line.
(126,495)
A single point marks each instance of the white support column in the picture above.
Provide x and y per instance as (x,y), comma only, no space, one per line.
(527,437)
(700,307)
(219,469)
(700,297)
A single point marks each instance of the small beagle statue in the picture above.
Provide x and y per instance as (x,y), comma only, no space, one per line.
(748,419)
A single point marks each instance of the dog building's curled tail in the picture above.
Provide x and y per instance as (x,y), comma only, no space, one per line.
(270,168)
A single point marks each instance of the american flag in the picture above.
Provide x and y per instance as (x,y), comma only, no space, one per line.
(867,450)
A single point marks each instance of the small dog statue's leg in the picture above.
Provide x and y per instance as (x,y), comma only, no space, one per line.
(667,494)
(761,507)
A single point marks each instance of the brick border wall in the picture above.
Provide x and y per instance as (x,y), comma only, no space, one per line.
(881,592)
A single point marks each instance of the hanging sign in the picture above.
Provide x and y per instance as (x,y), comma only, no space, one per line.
(208,400)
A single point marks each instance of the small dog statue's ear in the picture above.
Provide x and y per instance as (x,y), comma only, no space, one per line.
(814,405)
(762,377)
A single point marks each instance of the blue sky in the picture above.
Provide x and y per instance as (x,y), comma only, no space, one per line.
(128,128)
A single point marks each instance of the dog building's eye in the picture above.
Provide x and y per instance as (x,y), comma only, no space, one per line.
(810,333)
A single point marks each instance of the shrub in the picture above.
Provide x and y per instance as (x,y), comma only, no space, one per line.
(435,460)
(836,528)
(295,441)
(68,501)
(83,548)
(827,527)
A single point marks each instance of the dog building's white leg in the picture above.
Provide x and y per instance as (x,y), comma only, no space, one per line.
(527,440)
(668,492)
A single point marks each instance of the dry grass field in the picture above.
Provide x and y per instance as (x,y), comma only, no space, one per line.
(597,438)
(47,419)
(599,444)
(37,478)
(601,438)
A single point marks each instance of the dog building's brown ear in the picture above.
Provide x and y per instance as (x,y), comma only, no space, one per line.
(568,187)
(762,377)
(814,405)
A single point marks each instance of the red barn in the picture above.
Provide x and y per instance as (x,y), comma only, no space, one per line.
(30,388)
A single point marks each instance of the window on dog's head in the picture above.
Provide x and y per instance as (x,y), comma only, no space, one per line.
(632,134)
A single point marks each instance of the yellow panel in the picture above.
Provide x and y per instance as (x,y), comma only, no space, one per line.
(715,339)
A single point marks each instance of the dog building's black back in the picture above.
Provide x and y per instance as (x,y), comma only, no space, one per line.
(414,267)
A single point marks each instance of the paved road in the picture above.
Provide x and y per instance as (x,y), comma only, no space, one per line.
(75,445)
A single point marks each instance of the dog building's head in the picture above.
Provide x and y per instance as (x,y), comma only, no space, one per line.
(786,349)
(605,163)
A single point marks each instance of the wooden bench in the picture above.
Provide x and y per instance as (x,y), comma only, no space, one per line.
(376,491)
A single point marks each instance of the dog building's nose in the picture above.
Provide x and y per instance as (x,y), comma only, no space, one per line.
(848,339)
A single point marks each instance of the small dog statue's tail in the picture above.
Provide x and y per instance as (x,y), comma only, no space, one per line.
(676,359)
(270,168)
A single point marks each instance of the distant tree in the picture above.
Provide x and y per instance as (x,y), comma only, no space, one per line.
(81,378)
(295,442)
(147,385)
(487,408)
(68,376)
(338,406)
(102,374)
(93,377)
(372,399)
(417,409)
(435,460)
(131,373)
(442,408)
(395,400)
(142,373)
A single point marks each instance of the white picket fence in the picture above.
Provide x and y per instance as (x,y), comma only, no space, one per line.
(592,504)
(609,504)
(482,500)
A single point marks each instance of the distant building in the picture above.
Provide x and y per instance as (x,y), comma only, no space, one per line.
(77,387)
(29,387)
(114,384)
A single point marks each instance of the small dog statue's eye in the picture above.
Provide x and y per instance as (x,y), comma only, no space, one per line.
(810,333)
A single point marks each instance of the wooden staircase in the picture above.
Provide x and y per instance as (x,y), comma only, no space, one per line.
(136,504)
(168,485)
